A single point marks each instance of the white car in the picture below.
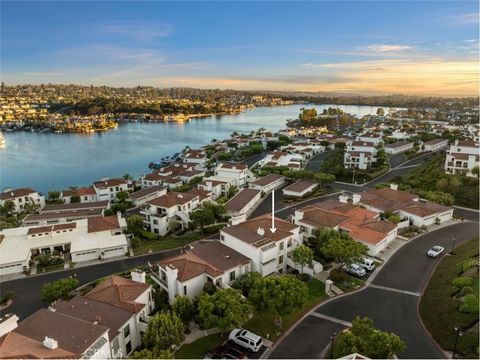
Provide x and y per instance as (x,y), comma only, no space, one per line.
(367,264)
(435,251)
(246,339)
(355,269)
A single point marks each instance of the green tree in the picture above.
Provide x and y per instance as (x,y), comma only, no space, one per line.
(343,249)
(394,218)
(164,330)
(476,171)
(363,338)
(122,196)
(149,354)
(7,208)
(183,307)
(246,282)
(127,177)
(324,178)
(380,112)
(225,309)
(54,197)
(75,199)
(307,114)
(217,210)
(59,289)
(135,225)
(302,256)
(279,293)
(202,217)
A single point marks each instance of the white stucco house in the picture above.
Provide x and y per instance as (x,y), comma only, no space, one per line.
(86,239)
(107,189)
(236,172)
(20,197)
(205,262)
(267,251)
(462,157)
(159,213)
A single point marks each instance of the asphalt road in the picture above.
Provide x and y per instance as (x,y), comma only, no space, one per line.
(391,301)
(313,163)
(28,290)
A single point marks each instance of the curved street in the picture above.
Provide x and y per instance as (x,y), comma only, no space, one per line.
(390,299)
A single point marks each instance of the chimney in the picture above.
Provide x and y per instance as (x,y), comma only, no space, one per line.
(394,186)
(343,199)
(298,214)
(356,199)
(8,323)
(456,142)
(50,343)
(138,276)
(260,231)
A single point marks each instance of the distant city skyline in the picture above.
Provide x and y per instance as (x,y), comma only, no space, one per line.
(361,47)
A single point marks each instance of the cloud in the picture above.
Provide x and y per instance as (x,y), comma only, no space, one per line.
(143,31)
(381,48)
(44,73)
(465,19)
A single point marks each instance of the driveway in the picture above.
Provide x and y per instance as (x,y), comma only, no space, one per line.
(390,300)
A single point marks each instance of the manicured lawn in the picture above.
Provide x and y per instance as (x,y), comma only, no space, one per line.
(262,323)
(166,242)
(198,348)
(439,309)
(351,283)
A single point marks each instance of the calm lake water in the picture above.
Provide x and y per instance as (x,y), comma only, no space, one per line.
(55,161)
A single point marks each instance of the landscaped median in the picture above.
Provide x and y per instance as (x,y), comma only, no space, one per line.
(265,322)
(451,300)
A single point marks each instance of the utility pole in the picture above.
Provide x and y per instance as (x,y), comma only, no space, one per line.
(453,245)
(459,333)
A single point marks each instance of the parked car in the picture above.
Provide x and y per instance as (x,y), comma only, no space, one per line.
(226,352)
(355,269)
(246,339)
(367,264)
(435,251)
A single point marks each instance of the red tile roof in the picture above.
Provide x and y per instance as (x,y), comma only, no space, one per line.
(118,291)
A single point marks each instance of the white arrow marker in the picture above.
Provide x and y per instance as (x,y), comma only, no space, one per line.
(273,229)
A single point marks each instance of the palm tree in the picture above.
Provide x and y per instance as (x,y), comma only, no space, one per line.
(127,176)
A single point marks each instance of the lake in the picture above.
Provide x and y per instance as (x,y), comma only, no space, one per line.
(48,161)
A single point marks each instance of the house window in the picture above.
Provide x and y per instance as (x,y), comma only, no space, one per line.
(179,208)
(126,331)
(128,346)
(281,246)
(222,237)
(289,243)
(163,275)
(155,231)
(185,290)
(280,259)
(155,222)
(232,276)
(116,345)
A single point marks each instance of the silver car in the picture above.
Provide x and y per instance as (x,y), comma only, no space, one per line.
(355,269)
(435,251)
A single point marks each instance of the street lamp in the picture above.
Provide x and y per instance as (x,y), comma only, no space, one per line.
(459,333)
(453,245)
(332,337)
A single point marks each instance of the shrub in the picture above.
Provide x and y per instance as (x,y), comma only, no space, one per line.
(209,288)
(462,281)
(7,296)
(466,290)
(470,304)
(338,275)
(135,242)
(394,218)
(148,235)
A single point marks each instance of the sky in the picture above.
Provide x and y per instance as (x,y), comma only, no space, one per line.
(360,47)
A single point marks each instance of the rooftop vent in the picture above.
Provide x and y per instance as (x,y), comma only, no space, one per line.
(261,231)
(50,343)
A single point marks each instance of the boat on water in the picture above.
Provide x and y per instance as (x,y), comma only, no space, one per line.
(3,143)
